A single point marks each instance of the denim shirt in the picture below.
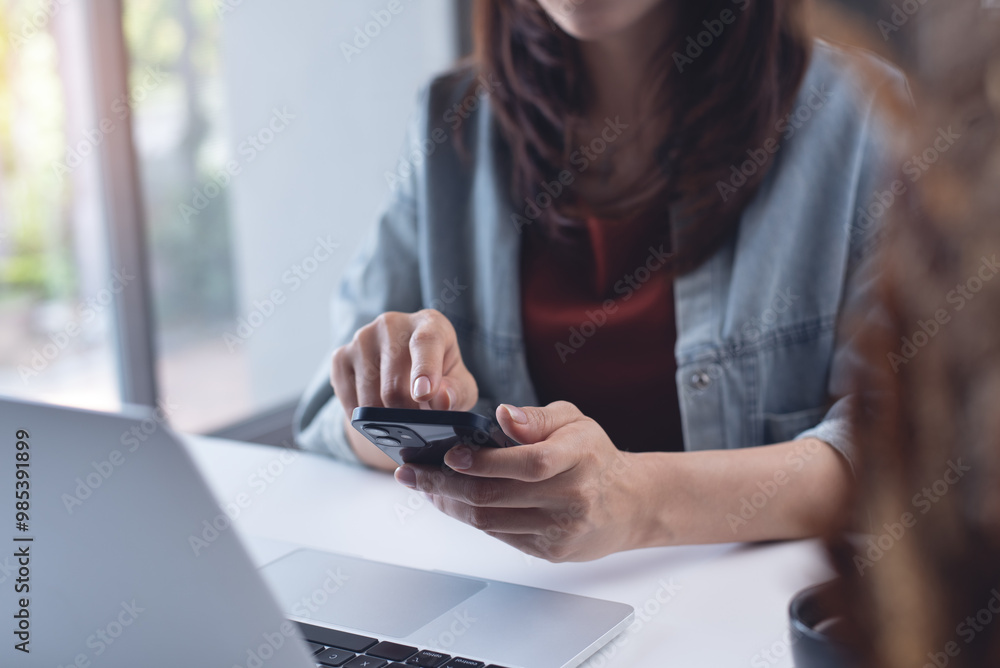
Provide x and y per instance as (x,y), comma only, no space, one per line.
(761,357)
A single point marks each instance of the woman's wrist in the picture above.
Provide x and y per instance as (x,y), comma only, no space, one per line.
(365,451)
(652,474)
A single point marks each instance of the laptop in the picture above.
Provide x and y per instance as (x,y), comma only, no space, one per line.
(104,564)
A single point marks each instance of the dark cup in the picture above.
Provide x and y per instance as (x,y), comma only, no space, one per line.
(818,629)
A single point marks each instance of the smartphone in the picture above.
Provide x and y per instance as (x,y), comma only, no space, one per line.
(413,436)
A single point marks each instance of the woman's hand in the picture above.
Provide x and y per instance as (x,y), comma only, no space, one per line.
(567,494)
(401,360)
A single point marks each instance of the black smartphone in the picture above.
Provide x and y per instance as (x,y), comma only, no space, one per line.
(413,436)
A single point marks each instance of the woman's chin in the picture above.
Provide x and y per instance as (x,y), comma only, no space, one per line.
(594,20)
(587,33)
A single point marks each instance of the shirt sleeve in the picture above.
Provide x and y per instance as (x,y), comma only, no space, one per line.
(860,309)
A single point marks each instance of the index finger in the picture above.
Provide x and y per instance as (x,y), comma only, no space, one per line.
(428,345)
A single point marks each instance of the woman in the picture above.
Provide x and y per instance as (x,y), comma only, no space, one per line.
(652,215)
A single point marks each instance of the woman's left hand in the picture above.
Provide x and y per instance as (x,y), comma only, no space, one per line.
(567,494)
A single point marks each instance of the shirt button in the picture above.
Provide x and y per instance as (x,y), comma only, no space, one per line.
(700,380)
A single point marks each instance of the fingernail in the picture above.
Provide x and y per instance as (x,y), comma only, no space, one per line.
(406,476)
(421,387)
(516,414)
(451,398)
(459,458)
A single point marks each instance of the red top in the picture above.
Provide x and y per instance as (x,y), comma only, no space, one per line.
(599,328)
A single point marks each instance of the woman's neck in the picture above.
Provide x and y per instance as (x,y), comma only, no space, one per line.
(618,66)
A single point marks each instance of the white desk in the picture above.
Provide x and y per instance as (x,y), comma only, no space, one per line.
(727,606)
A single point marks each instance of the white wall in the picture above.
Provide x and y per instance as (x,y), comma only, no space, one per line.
(324,173)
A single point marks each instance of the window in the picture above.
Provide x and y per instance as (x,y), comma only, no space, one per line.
(57,288)
(260,135)
(179,139)
(262,150)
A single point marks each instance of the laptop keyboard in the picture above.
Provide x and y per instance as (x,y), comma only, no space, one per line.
(339,649)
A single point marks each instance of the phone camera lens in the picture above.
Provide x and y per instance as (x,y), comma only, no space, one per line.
(385,440)
(376,431)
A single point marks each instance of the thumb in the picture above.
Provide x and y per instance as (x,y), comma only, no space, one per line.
(531,424)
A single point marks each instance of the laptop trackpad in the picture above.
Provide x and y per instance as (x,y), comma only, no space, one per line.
(364,595)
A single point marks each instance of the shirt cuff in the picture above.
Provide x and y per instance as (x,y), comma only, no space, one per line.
(835,429)
(325,434)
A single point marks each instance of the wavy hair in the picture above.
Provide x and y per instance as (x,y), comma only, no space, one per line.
(706,112)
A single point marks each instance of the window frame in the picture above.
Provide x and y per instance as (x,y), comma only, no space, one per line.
(124,212)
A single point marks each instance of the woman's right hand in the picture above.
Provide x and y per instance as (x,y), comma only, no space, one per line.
(401,360)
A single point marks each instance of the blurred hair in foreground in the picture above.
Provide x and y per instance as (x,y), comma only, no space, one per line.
(921,583)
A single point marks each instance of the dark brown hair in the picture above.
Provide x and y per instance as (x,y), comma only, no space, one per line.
(707,112)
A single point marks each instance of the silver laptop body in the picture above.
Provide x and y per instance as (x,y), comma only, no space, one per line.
(100,569)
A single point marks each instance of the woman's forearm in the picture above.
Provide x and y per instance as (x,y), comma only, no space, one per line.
(773,492)
(366,451)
